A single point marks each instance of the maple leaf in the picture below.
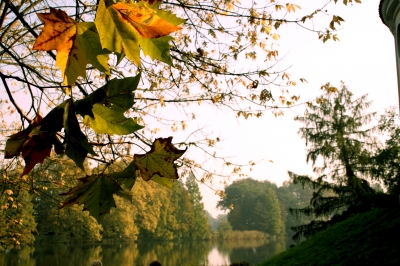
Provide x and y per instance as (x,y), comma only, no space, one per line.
(116,94)
(14,142)
(166,182)
(120,94)
(77,146)
(159,160)
(124,27)
(110,121)
(96,192)
(33,143)
(76,44)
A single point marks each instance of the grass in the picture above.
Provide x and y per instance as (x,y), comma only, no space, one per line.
(371,238)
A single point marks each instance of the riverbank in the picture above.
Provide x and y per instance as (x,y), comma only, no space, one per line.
(371,238)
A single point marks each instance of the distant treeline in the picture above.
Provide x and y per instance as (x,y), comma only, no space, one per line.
(262,206)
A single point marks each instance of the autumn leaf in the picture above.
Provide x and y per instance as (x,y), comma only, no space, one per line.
(34,144)
(95,192)
(144,20)
(124,27)
(76,44)
(14,142)
(159,160)
(127,178)
(117,94)
(36,147)
(157,48)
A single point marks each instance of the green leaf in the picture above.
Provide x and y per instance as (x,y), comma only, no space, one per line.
(116,35)
(123,27)
(110,121)
(120,92)
(157,48)
(77,143)
(159,160)
(127,178)
(95,192)
(89,42)
(15,142)
(120,57)
(166,182)
(85,105)
(168,16)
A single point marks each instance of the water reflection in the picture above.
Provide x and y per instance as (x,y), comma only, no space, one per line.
(142,253)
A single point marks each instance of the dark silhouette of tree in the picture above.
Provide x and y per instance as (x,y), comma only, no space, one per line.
(336,134)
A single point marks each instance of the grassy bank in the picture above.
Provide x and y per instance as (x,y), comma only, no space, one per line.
(372,238)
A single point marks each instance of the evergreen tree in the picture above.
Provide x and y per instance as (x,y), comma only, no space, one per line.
(335,131)
(201,228)
(183,211)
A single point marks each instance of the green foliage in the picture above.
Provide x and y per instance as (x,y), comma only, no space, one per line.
(200,228)
(268,213)
(17,224)
(253,205)
(293,196)
(370,238)
(74,225)
(120,224)
(223,228)
(386,163)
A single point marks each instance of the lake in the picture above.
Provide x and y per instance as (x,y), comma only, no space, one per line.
(253,251)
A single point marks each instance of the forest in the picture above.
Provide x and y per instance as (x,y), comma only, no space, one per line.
(156,212)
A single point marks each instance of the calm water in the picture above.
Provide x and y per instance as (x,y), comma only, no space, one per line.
(142,253)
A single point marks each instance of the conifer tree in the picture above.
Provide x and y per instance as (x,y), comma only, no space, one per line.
(336,134)
(200,227)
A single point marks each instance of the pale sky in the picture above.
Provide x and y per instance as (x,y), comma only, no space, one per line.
(364,59)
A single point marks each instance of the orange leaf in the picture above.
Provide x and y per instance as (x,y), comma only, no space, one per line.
(145,20)
(58,32)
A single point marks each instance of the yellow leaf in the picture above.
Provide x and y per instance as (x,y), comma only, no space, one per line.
(275,36)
